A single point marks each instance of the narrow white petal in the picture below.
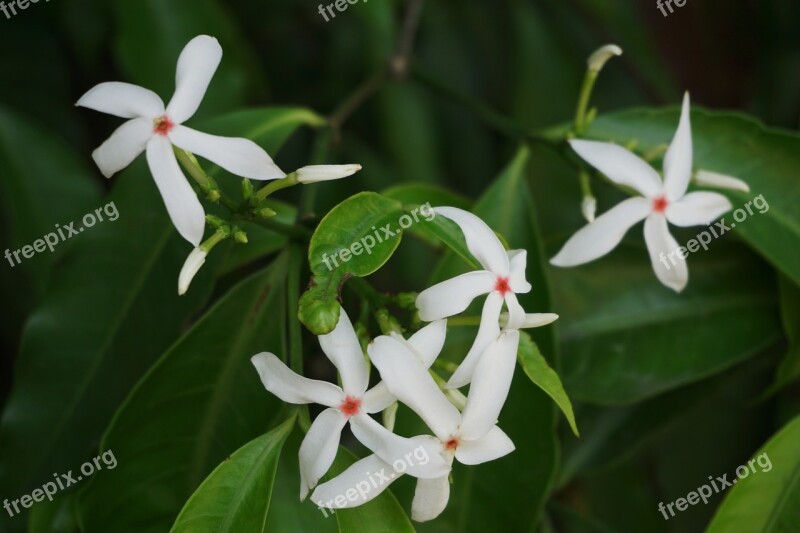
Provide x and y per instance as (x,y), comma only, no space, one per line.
(125,144)
(191,267)
(182,204)
(430,498)
(604,234)
(490,385)
(678,159)
(409,380)
(493,445)
(196,66)
(363,481)
(398,451)
(697,208)
(377,398)
(518,261)
(670,270)
(293,388)
(589,208)
(429,341)
(488,331)
(601,55)
(319,448)
(532,320)
(315,173)
(481,240)
(516,314)
(454,295)
(238,156)
(620,165)
(123,100)
(721,181)
(343,349)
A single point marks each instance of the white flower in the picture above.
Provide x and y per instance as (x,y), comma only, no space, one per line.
(153,129)
(315,173)
(660,202)
(196,259)
(502,279)
(351,403)
(598,59)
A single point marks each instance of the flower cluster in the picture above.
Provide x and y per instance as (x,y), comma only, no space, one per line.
(465,430)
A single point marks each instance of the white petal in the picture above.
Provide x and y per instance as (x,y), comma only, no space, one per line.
(319,448)
(315,173)
(398,451)
(516,314)
(697,208)
(482,242)
(363,481)
(532,320)
(721,181)
(430,498)
(490,385)
(125,144)
(291,387)
(589,208)
(620,165)
(196,66)
(238,156)
(601,55)
(488,331)
(343,349)
(429,341)
(182,204)
(192,266)
(678,159)
(454,295)
(493,445)
(377,398)
(409,380)
(518,261)
(123,100)
(670,270)
(604,234)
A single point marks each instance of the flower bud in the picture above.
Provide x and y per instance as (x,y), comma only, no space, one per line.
(588,208)
(601,55)
(315,173)
(192,265)
(712,179)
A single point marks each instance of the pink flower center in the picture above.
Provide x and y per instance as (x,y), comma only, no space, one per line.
(162,125)
(451,444)
(350,406)
(660,204)
(502,286)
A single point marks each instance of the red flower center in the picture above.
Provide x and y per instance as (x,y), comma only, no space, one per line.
(350,406)
(163,125)
(660,204)
(451,444)
(502,286)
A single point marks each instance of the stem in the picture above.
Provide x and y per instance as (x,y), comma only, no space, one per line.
(215,239)
(464,321)
(583,101)
(275,185)
(206,182)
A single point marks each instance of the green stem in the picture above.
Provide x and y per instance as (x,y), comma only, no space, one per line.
(275,185)
(206,182)
(218,236)
(583,101)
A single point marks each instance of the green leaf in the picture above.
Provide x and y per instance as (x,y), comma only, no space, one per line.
(236,496)
(766,500)
(199,403)
(789,370)
(732,144)
(536,368)
(349,241)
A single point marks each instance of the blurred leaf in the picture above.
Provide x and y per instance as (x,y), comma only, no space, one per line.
(367,222)
(200,402)
(769,500)
(536,368)
(789,370)
(236,495)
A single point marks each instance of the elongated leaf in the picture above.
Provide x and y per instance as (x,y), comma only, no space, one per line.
(789,369)
(766,500)
(236,496)
(200,402)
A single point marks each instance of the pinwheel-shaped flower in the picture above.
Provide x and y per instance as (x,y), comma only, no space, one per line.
(660,201)
(471,438)
(153,129)
(502,279)
(350,403)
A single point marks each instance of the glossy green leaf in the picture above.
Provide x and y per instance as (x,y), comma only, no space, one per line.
(236,496)
(536,368)
(199,403)
(766,500)
(354,239)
